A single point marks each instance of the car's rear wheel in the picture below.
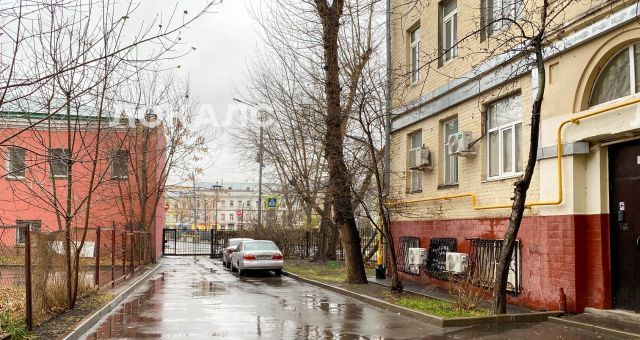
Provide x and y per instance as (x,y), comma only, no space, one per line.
(278,272)
(233,268)
(240,272)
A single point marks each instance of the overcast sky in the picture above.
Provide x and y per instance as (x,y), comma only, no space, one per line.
(225,40)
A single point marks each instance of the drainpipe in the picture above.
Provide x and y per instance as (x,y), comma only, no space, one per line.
(387,135)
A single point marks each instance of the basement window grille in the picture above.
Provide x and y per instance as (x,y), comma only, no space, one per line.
(437,257)
(406,242)
(485,255)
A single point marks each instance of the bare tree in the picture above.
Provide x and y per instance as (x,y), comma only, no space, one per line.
(67,60)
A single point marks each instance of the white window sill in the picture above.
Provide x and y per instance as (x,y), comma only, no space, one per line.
(16,178)
(503,177)
(60,176)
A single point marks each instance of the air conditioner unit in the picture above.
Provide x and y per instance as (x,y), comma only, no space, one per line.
(420,159)
(417,258)
(460,143)
(457,263)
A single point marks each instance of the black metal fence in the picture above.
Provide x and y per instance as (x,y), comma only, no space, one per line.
(407,242)
(186,242)
(485,255)
(292,242)
(437,257)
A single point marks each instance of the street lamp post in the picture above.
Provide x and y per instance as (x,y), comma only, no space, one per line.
(260,165)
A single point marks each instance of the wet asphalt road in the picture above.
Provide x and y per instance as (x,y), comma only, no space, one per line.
(198,298)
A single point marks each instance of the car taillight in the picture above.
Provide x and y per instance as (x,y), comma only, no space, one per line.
(277,257)
(249,257)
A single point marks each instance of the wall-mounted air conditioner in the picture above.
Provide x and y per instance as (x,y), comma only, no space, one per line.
(420,159)
(457,263)
(417,258)
(460,143)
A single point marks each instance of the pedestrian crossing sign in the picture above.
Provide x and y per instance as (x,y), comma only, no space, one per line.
(272,202)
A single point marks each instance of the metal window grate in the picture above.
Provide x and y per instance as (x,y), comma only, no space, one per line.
(437,257)
(406,242)
(485,255)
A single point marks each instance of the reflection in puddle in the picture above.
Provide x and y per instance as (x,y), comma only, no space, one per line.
(312,301)
(119,323)
(190,299)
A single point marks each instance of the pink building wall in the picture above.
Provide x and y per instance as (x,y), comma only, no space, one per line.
(114,201)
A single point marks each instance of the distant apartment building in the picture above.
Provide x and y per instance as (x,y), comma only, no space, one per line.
(34,175)
(460,135)
(228,206)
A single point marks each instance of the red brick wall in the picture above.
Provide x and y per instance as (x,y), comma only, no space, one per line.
(570,252)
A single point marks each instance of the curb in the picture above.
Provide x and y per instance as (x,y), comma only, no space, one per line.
(428,318)
(594,328)
(84,325)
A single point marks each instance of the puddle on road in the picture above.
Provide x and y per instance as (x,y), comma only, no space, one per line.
(119,323)
(189,300)
(315,302)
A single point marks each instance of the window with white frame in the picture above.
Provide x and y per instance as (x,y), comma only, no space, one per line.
(15,162)
(231,204)
(500,12)
(415,146)
(230,217)
(450,164)
(414,50)
(21,234)
(620,77)
(58,159)
(449,29)
(504,146)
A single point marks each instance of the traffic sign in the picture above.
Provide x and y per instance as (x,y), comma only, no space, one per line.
(238,213)
(272,202)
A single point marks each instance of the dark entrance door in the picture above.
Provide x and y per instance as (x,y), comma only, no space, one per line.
(624,169)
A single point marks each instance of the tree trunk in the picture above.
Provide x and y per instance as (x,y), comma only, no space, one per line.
(520,190)
(327,236)
(396,284)
(335,121)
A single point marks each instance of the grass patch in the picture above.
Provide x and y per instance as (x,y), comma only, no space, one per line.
(444,309)
(12,326)
(334,272)
(329,272)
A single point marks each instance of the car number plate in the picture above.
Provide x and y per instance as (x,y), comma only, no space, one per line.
(264,257)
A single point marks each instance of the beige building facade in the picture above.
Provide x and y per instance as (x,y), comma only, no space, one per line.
(460,139)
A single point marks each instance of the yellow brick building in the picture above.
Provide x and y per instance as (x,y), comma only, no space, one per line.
(452,84)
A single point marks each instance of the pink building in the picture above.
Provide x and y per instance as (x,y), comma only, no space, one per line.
(123,189)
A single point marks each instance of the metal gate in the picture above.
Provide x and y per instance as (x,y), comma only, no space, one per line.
(186,242)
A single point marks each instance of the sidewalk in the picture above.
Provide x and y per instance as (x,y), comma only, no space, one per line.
(439,293)
(602,323)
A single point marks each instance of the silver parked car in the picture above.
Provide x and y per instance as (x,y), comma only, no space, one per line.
(257,255)
(232,243)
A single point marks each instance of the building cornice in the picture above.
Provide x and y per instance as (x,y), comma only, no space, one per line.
(498,70)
